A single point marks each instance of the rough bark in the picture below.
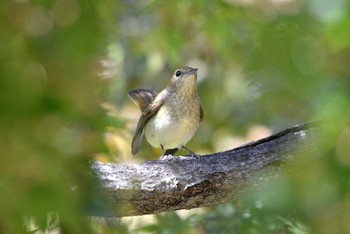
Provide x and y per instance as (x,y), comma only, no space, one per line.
(187,182)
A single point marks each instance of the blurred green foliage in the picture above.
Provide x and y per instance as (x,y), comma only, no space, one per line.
(50,116)
(270,63)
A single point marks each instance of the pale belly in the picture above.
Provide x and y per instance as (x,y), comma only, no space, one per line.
(171,130)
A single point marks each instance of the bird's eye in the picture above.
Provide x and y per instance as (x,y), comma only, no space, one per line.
(178,73)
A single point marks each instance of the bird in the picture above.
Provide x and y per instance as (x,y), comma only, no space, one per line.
(171,117)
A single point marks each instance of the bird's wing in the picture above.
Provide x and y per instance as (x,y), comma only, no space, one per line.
(201,113)
(147,114)
(142,97)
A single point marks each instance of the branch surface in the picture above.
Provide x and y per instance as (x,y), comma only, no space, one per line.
(182,182)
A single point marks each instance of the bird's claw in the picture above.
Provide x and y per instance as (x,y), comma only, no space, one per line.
(166,157)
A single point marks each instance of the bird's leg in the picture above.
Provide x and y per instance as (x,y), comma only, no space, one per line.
(162,150)
(192,154)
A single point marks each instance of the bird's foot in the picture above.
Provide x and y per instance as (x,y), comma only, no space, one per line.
(167,157)
(191,153)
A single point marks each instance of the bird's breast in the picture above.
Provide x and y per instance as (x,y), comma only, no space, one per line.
(175,123)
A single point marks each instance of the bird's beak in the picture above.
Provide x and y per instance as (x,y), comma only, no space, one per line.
(193,71)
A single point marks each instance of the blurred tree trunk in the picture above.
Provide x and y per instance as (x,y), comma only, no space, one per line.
(176,183)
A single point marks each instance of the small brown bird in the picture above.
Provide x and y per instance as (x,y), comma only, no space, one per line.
(171,118)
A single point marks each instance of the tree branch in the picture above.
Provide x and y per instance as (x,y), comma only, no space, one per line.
(186,182)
